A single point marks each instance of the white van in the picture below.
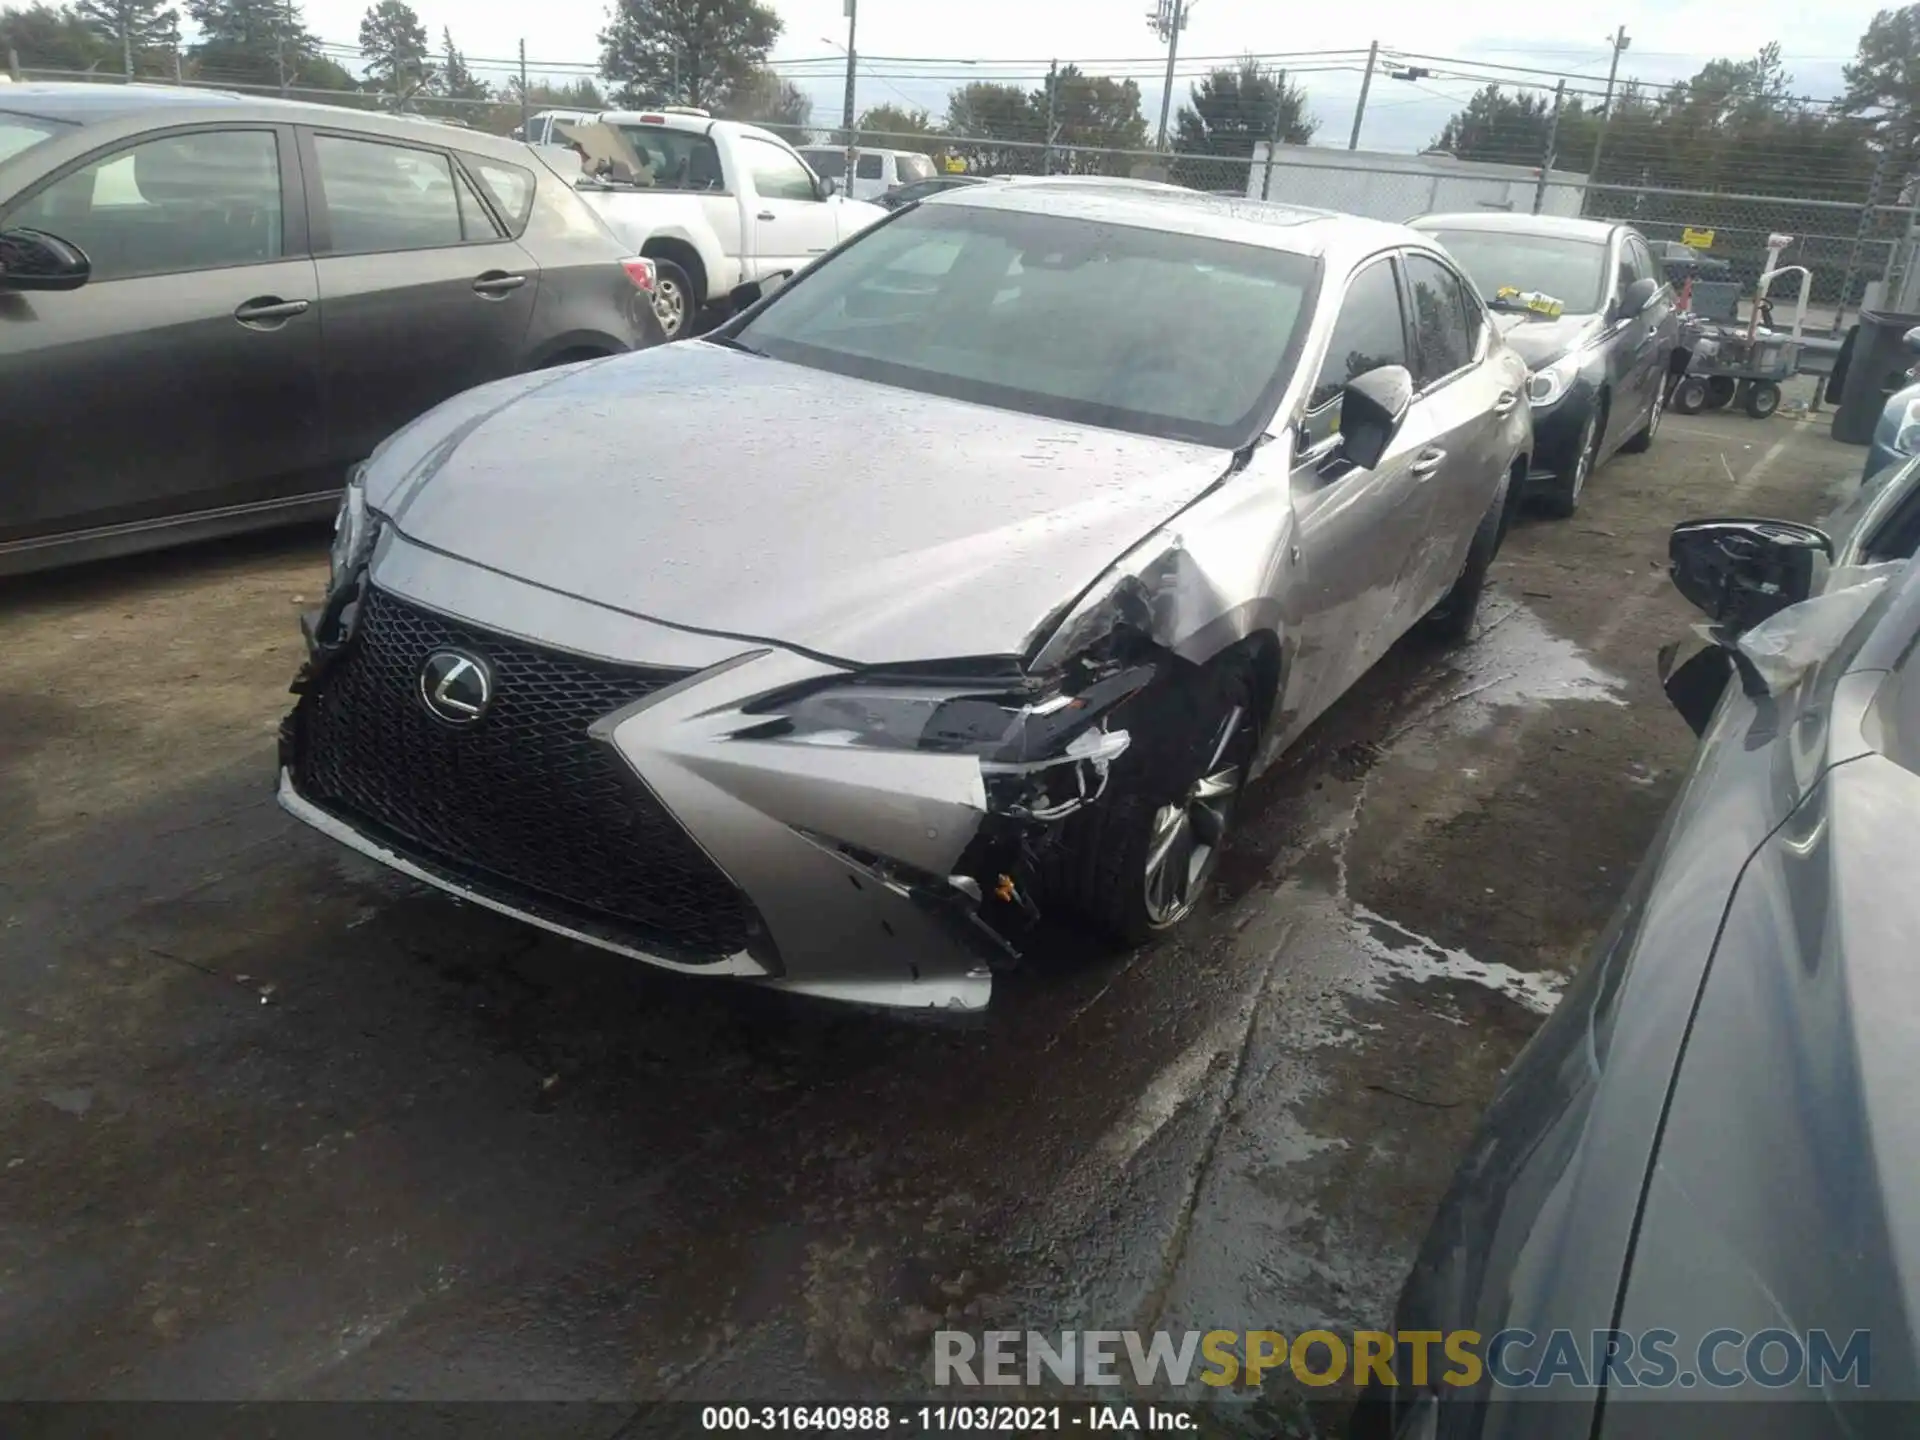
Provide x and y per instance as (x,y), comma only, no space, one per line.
(875,172)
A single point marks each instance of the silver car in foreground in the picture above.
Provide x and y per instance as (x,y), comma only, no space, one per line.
(974,572)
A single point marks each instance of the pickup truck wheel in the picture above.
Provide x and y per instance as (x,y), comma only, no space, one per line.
(673,298)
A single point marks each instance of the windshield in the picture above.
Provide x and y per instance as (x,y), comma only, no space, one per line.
(914,167)
(827,164)
(1574,272)
(1143,330)
(20,133)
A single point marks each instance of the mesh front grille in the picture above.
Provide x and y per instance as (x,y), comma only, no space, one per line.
(522,804)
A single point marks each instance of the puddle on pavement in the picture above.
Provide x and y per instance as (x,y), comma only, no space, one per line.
(1515,660)
(1398,953)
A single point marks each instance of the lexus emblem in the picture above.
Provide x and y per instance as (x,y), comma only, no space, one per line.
(456,687)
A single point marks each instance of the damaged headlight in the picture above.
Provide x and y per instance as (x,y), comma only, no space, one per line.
(353,531)
(1043,753)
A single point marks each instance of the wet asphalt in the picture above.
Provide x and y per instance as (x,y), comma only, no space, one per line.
(277,1124)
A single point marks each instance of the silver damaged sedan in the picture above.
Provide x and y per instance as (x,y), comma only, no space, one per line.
(971,575)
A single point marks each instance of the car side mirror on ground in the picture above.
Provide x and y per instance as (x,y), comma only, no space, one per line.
(1373,407)
(1637,297)
(35,260)
(1739,572)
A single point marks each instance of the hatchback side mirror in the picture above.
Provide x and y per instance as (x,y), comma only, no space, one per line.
(1739,572)
(1637,297)
(829,187)
(35,260)
(1912,338)
(1372,409)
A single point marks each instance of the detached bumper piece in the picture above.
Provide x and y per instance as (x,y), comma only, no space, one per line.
(524,810)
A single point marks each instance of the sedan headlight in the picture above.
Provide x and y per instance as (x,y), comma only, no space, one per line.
(1547,384)
(1019,735)
(353,531)
(1906,430)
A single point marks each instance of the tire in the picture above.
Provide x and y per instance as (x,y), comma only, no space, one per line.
(675,301)
(1763,398)
(1690,395)
(1451,621)
(1720,390)
(1641,440)
(1192,744)
(1563,497)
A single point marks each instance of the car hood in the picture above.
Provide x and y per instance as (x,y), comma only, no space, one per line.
(740,495)
(1540,341)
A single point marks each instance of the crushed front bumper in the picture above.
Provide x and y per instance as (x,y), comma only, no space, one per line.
(828,870)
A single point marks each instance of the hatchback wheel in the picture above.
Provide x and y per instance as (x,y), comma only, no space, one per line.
(1137,864)
(1642,440)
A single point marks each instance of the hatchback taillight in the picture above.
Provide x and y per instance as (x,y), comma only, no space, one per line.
(639,270)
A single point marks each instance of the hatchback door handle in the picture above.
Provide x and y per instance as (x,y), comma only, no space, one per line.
(1505,401)
(1426,462)
(765,215)
(498,282)
(268,312)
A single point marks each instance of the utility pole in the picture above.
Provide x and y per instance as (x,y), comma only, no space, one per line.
(1167,22)
(1046,155)
(1273,133)
(846,110)
(280,45)
(526,104)
(1620,43)
(126,43)
(1366,84)
(1553,141)
(13,65)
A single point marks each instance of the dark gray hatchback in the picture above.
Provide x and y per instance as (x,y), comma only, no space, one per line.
(212,306)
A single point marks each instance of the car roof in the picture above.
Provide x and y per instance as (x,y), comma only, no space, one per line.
(1152,205)
(89,104)
(670,119)
(1565,226)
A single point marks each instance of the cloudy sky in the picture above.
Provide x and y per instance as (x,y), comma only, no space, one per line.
(1013,39)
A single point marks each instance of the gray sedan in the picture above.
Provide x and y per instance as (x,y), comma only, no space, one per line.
(1696,1181)
(975,572)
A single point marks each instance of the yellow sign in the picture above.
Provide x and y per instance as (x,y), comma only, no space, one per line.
(956,166)
(1698,239)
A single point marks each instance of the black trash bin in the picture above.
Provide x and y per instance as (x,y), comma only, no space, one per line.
(1876,365)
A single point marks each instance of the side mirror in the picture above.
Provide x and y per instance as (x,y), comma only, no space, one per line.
(829,187)
(1637,296)
(1739,572)
(1912,338)
(35,260)
(1372,408)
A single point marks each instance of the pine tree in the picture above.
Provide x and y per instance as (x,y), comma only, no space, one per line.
(133,27)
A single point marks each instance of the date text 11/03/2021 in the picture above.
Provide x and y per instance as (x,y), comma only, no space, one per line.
(937,1419)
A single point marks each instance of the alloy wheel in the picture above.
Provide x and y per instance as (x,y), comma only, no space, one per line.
(1187,835)
(669,306)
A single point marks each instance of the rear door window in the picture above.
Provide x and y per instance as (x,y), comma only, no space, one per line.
(379,197)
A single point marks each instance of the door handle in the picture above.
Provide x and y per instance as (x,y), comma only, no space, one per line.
(498,282)
(1426,462)
(1505,401)
(765,215)
(269,312)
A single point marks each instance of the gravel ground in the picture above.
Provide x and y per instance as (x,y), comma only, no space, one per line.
(274,1123)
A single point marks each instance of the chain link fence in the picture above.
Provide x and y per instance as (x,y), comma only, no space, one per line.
(1808,185)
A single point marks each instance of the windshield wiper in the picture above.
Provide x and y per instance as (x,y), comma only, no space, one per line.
(733,344)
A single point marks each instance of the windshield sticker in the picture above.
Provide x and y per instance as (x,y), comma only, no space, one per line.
(1533,300)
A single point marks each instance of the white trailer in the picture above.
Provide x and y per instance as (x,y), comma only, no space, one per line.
(1383,186)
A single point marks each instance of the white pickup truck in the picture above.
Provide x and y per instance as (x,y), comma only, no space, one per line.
(715,204)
